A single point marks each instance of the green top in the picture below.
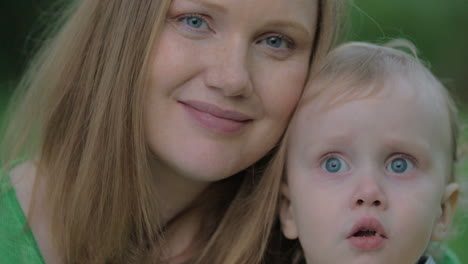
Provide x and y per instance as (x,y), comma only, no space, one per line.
(17,243)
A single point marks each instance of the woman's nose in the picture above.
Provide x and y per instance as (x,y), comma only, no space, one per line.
(229,70)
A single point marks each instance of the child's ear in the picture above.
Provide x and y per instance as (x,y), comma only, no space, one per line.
(448,205)
(288,224)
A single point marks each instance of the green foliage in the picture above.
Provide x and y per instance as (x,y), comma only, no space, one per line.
(437,27)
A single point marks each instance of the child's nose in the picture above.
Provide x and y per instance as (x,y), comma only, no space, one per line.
(369,193)
(364,202)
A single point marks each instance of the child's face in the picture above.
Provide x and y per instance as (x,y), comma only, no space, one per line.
(367,179)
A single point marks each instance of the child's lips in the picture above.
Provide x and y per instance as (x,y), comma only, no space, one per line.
(367,234)
(368,224)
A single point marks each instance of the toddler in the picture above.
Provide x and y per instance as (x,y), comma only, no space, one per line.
(370,160)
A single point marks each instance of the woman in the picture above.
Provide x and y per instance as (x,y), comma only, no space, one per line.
(141,121)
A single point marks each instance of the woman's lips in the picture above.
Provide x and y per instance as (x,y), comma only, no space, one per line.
(367,234)
(215,118)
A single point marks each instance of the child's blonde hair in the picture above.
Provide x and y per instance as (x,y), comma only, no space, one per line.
(79,114)
(363,69)
(358,70)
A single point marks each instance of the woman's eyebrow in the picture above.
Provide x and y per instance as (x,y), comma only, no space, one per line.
(290,25)
(208,5)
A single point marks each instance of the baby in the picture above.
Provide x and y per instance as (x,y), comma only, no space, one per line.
(370,159)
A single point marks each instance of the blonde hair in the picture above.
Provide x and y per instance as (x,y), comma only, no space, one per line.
(361,70)
(78,112)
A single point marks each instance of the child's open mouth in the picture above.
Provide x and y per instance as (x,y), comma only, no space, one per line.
(367,234)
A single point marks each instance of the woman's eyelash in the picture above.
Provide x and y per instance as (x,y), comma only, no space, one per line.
(184,16)
(184,19)
(290,41)
(200,23)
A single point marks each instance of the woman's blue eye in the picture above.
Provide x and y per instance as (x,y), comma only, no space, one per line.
(277,42)
(335,165)
(195,22)
(400,165)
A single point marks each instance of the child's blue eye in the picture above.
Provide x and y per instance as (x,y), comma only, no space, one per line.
(334,165)
(400,165)
(195,22)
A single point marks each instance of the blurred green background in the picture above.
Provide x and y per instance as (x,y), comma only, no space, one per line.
(439,28)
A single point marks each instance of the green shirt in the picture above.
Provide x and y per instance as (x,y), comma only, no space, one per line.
(17,243)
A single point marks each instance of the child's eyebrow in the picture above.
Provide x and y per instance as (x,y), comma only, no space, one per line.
(419,148)
(338,139)
(331,142)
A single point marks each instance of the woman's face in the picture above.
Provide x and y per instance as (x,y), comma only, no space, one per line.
(225,77)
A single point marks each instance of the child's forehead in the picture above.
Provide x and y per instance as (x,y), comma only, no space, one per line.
(397,115)
(397,101)
(360,70)
(325,93)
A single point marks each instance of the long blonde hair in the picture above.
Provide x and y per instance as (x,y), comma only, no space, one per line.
(78,111)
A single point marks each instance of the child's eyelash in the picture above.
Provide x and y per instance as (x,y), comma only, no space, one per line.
(403,156)
(328,156)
